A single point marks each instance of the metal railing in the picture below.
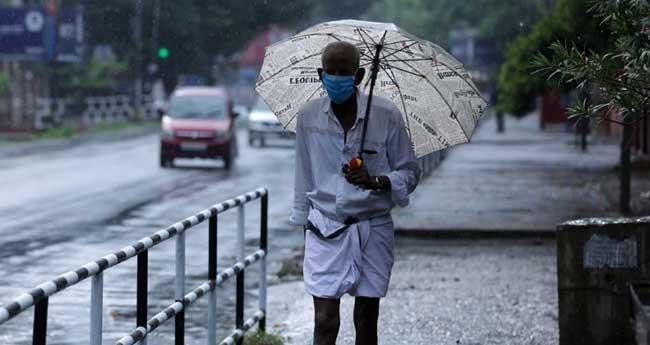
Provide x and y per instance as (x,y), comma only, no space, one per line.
(39,296)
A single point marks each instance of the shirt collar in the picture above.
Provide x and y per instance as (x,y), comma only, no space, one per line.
(362,101)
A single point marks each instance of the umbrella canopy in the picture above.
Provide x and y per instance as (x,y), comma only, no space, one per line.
(438,100)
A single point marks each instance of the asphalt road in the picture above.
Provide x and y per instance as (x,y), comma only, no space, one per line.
(63,207)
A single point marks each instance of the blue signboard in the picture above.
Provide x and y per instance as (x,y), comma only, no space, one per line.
(31,34)
(69,39)
(22,33)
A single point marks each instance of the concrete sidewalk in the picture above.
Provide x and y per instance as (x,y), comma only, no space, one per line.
(478,291)
(523,180)
(470,292)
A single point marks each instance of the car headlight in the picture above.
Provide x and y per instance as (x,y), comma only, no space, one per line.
(167,133)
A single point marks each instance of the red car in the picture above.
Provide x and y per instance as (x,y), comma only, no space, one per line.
(199,123)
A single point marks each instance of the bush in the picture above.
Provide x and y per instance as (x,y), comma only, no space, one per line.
(261,338)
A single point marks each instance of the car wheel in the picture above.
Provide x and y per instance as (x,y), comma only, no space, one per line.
(227,161)
(166,162)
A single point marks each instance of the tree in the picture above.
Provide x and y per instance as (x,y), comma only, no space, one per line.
(620,74)
(193,31)
(498,21)
(518,86)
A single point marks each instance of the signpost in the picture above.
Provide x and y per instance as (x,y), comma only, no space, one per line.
(33,34)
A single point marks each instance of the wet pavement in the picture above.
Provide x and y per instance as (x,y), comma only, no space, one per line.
(448,292)
(522,180)
(75,203)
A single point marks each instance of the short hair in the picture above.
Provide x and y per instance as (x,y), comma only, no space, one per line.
(342,47)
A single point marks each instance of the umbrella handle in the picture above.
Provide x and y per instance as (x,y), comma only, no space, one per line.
(374,70)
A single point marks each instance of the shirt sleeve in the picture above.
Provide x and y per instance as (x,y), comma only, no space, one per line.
(303,177)
(405,170)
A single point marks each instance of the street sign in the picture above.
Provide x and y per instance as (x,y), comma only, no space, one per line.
(69,39)
(22,34)
(33,34)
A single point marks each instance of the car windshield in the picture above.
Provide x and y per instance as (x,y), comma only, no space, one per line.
(261,105)
(198,107)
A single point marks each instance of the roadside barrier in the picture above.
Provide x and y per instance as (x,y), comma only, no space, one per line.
(39,296)
(430,162)
(53,112)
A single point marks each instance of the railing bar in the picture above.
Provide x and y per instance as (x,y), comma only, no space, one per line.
(200,291)
(238,334)
(239,305)
(264,206)
(23,302)
(241,233)
(96,308)
(39,336)
(239,301)
(179,319)
(212,276)
(142,292)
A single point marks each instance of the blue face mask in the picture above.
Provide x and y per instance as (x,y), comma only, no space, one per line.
(339,88)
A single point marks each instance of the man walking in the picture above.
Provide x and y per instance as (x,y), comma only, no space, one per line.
(349,232)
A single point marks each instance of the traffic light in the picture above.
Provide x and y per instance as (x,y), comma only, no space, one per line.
(163,52)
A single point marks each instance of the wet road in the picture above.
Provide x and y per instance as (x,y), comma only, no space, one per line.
(64,208)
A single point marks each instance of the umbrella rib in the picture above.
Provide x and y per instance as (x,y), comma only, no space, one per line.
(392,77)
(398,42)
(444,99)
(406,71)
(462,78)
(365,32)
(296,114)
(286,67)
(400,60)
(400,50)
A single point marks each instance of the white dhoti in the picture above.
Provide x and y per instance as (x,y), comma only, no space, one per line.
(357,262)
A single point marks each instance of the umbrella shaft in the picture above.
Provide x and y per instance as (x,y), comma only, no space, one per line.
(374,70)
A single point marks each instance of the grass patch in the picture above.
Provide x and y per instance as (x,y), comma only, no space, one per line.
(57,133)
(116,126)
(68,131)
(261,338)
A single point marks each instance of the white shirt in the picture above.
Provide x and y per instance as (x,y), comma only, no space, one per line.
(322,149)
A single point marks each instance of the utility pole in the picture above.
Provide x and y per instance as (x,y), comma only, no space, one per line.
(625,177)
(138,60)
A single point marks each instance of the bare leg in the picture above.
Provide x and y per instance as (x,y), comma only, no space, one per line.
(326,321)
(366,313)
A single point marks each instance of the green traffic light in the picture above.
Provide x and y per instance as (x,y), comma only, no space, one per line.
(163,53)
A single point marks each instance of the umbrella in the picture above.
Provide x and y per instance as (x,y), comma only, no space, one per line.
(435,94)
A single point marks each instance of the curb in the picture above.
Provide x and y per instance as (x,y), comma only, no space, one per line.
(475,233)
(50,145)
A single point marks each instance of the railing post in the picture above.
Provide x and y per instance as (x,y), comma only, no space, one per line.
(264,246)
(96,308)
(239,305)
(179,334)
(40,322)
(142,292)
(212,276)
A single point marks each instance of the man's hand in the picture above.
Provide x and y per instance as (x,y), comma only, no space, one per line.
(358,177)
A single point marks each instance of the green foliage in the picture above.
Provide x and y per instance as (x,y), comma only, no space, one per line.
(194,31)
(517,84)
(4,83)
(497,20)
(261,338)
(618,76)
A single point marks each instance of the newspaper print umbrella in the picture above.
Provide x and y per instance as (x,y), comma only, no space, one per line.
(439,102)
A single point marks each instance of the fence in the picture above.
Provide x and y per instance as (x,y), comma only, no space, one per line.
(430,162)
(39,296)
(51,112)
